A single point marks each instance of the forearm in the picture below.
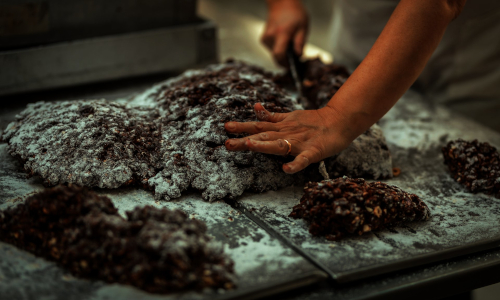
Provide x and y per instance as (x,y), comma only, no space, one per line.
(392,65)
(395,61)
(280,2)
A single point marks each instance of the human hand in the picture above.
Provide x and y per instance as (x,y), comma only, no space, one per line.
(313,134)
(287,22)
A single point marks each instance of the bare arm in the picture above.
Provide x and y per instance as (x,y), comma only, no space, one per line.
(395,61)
(390,68)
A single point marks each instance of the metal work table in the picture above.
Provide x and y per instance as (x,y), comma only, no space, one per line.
(269,260)
(414,261)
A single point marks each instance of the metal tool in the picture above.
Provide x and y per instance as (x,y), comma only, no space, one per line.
(295,68)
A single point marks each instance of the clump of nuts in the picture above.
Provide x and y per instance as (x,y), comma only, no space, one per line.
(338,207)
(475,165)
(157,250)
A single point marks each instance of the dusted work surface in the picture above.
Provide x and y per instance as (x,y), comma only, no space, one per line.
(262,263)
(461,222)
(410,129)
(105,58)
(431,282)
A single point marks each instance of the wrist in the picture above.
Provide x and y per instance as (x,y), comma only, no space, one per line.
(338,125)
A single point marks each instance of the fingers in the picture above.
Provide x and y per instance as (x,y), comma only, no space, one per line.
(277,40)
(276,147)
(280,45)
(268,37)
(257,127)
(299,41)
(269,143)
(241,144)
(249,127)
(264,115)
(301,161)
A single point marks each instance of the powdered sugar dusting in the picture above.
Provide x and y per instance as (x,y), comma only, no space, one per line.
(367,156)
(171,138)
(251,247)
(459,219)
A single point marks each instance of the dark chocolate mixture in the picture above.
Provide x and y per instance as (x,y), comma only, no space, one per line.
(171,137)
(343,206)
(90,143)
(196,106)
(157,250)
(475,165)
(321,81)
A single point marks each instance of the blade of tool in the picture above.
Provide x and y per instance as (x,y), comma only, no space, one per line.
(294,63)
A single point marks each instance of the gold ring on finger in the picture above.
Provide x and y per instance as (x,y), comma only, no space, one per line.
(289,147)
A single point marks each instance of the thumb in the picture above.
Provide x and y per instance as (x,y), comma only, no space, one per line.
(301,161)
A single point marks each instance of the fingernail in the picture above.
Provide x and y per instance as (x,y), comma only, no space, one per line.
(290,168)
(230,125)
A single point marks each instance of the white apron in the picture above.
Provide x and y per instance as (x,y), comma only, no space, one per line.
(464,71)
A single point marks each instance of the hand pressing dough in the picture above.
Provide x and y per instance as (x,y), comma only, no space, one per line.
(171,138)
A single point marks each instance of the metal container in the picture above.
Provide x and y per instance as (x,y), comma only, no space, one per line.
(173,48)
(33,22)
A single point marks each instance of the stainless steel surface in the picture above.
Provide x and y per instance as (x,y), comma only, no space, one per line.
(426,282)
(263,264)
(431,282)
(39,277)
(240,23)
(461,222)
(26,23)
(292,62)
(109,57)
